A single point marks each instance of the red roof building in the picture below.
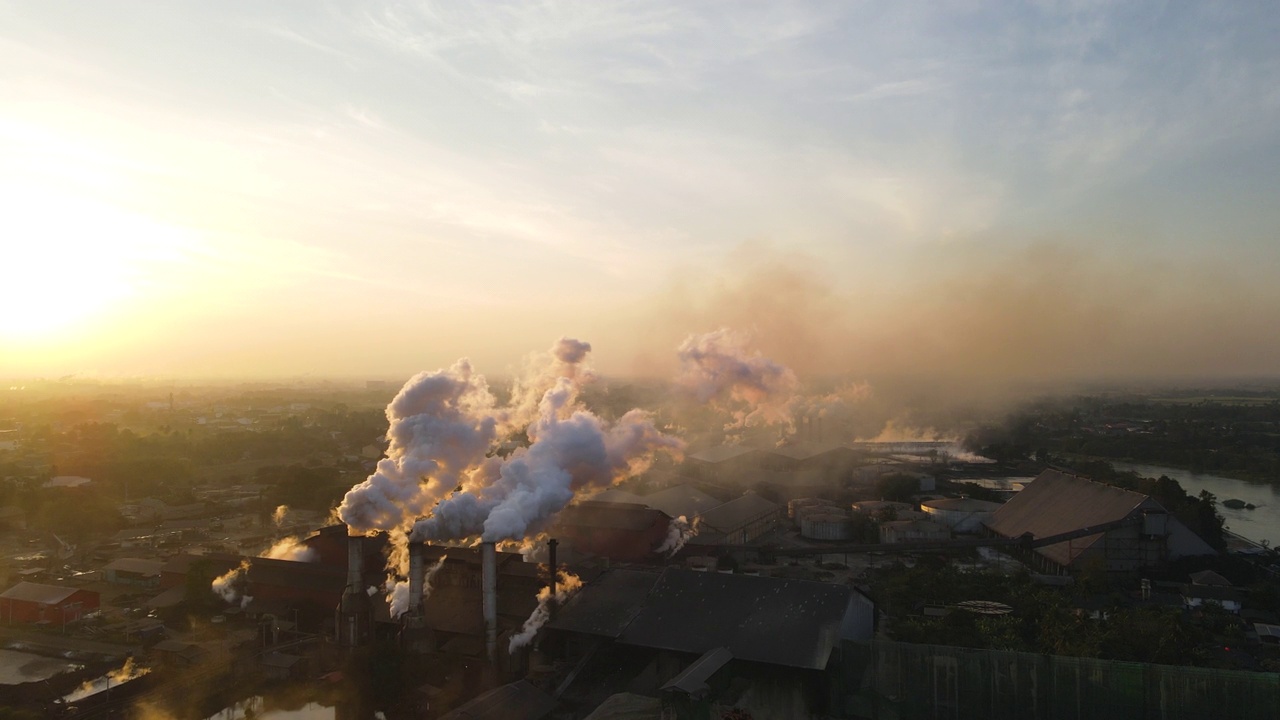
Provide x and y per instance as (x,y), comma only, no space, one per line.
(29,602)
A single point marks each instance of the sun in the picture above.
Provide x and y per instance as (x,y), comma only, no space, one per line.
(66,262)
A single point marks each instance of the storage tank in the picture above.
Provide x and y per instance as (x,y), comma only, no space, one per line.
(826,526)
(962,515)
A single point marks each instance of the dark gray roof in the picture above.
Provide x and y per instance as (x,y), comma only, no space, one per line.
(738,512)
(1209,577)
(685,500)
(615,598)
(519,700)
(793,623)
(694,678)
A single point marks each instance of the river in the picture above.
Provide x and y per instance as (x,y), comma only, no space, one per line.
(1261,523)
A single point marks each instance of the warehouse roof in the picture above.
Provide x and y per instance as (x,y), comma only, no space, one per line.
(738,512)
(38,593)
(678,500)
(616,495)
(795,623)
(1056,502)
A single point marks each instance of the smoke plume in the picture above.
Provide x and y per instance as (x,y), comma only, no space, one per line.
(571,450)
(230,585)
(291,548)
(679,532)
(566,585)
(279,515)
(717,368)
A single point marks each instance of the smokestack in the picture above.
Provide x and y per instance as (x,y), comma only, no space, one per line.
(353,612)
(551,552)
(417,577)
(355,560)
(489,599)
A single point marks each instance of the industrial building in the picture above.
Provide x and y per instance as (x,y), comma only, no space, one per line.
(29,602)
(780,635)
(1135,531)
(739,521)
(134,571)
(627,532)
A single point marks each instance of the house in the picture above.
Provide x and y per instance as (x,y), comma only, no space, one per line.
(1136,532)
(29,602)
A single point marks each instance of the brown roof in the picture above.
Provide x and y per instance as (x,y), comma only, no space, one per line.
(738,512)
(38,593)
(1056,502)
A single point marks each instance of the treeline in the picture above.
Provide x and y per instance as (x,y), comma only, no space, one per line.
(1238,440)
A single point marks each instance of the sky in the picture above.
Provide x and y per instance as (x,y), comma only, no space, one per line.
(368,189)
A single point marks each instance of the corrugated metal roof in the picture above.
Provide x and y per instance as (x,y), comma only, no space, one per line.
(685,500)
(1056,502)
(613,601)
(738,512)
(962,505)
(38,593)
(794,623)
(693,680)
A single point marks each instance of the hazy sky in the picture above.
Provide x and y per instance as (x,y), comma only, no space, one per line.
(369,189)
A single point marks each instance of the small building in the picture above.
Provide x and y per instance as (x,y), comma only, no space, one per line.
(134,571)
(282,666)
(904,531)
(29,602)
(962,515)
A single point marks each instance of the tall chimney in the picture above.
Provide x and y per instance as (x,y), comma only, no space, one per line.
(551,552)
(489,599)
(417,577)
(355,560)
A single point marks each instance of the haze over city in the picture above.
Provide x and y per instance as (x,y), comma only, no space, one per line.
(1059,191)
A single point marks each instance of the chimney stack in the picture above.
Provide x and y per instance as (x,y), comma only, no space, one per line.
(417,577)
(489,599)
(354,612)
(551,551)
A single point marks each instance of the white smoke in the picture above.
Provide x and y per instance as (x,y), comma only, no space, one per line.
(679,532)
(566,585)
(571,450)
(279,515)
(291,548)
(230,585)
(397,596)
(716,368)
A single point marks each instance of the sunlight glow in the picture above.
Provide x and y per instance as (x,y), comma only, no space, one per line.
(69,260)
